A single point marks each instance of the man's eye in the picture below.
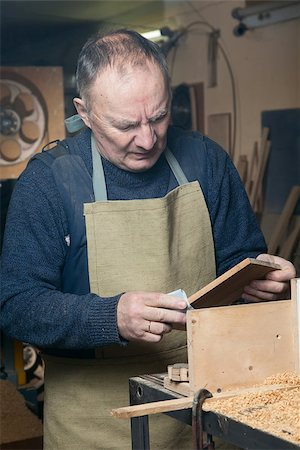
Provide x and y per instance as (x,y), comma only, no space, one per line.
(159,119)
(127,127)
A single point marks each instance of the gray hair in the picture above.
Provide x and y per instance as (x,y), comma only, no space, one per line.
(118,48)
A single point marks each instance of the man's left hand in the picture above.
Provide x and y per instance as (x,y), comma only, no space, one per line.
(276,285)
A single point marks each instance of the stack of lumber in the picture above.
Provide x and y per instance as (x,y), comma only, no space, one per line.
(252,173)
(286,234)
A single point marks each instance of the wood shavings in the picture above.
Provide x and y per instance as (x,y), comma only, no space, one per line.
(283,378)
(276,411)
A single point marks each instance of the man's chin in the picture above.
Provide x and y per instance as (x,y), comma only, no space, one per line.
(142,164)
(140,167)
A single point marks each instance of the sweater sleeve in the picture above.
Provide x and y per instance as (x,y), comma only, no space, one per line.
(33,308)
(236,232)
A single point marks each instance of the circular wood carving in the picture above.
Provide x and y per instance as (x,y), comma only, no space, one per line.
(22,121)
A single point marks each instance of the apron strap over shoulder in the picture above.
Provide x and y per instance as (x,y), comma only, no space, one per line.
(99,185)
(175,167)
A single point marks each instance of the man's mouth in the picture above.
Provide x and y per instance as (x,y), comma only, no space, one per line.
(145,154)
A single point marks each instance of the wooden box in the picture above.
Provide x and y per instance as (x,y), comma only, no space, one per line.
(236,346)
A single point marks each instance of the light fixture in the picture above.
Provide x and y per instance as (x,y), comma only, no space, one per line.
(154,35)
(264,13)
(164,37)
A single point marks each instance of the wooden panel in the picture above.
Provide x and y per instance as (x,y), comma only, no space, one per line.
(197,103)
(228,287)
(240,345)
(33,101)
(219,130)
(242,168)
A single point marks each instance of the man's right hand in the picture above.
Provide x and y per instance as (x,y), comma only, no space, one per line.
(147,316)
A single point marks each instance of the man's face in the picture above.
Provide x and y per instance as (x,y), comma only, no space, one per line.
(129,116)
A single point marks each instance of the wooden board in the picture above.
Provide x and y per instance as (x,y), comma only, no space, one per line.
(253,167)
(219,130)
(281,228)
(177,404)
(289,245)
(227,288)
(242,168)
(295,290)
(197,101)
(263,154)
(240,345)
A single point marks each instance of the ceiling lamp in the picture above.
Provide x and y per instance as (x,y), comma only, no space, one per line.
(164,37)
(262,14)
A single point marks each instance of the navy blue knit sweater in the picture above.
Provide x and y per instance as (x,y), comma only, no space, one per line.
(33,307)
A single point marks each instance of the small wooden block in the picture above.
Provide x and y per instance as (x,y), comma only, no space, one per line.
(178,372)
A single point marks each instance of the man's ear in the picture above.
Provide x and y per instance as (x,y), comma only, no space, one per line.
(81,109)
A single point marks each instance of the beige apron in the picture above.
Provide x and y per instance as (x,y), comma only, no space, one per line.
(159,245)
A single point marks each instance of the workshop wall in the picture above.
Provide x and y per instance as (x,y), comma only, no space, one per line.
(263,66)
(265,63)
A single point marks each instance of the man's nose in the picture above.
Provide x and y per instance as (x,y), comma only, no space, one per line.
(145,136)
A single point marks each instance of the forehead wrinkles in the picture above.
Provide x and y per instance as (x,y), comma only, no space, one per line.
(124,69)
(126,80)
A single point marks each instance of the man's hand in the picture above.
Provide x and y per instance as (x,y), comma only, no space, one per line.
(147,316)
(276,285)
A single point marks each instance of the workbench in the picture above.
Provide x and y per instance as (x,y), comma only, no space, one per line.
(150,388)
(240,362)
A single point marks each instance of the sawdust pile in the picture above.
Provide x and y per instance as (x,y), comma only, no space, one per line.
(275,411)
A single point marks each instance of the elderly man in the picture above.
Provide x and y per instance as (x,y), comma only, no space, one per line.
(102,227)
